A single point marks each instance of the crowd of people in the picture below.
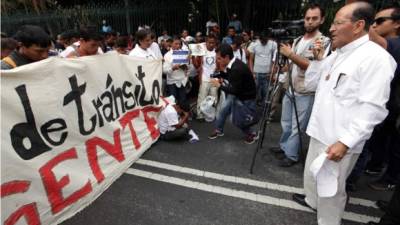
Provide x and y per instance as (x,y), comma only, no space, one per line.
(341,89)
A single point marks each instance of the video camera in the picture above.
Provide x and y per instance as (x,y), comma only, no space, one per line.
(216,75)
(286,29)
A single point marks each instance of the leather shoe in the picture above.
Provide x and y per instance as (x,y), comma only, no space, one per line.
(301,199)
(276,150)
(286,162)
(382,205)
(280,156)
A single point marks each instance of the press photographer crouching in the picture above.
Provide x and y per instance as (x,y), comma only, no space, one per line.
(236,80)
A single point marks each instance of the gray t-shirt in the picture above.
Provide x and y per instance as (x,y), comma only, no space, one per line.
(263,55)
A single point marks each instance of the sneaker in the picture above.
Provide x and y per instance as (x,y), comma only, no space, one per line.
(250,139)
(194,138)
(256,135)
(215,134)
(381,185)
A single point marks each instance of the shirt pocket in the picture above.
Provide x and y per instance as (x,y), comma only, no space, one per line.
(345,89)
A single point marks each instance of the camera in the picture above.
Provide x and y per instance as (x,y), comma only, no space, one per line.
(216,75)
(286,29)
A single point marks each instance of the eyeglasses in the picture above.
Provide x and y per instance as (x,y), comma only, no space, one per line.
(381,20)
(339,22)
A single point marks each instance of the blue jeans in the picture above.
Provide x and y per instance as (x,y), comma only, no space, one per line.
(225,111)
(289,141)
(262,85)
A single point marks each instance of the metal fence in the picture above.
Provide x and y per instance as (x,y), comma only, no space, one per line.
(124,16)
(124,20)
(158,14)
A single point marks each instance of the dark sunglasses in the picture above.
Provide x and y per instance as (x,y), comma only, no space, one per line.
(381,20)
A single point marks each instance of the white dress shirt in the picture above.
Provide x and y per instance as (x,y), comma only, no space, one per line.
(141,53)
(73,48)
(177,77)
(353,89)
(167,119)
(155,48)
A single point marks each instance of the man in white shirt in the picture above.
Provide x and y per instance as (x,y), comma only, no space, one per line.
(171,123)
(88,44)
(238,51)
(210,24)
(142,49)
(155,47)
(300,55)
(186,39)
(206,66)
(350,100)
(262,55)
(163,37)
(177,74)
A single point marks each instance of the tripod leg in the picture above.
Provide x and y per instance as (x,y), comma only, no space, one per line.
(302,158)
(263,124)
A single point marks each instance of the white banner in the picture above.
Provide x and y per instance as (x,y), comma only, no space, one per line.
(71,127)
(198,49)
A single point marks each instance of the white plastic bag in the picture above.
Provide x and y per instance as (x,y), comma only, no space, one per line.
(207,108)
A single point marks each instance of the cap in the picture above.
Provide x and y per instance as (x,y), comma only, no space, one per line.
(326,173)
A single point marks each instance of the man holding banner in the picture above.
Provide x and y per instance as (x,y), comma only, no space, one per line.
(33,45)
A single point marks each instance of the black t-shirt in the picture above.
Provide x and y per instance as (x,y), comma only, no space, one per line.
(393,47)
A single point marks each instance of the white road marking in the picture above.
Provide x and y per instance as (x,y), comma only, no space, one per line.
(240,180)
(240,194)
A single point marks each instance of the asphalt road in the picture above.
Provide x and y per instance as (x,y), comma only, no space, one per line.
(208,182)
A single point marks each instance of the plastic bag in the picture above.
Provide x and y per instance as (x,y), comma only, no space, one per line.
(207,108)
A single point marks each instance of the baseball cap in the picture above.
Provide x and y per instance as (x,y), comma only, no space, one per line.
(326,173)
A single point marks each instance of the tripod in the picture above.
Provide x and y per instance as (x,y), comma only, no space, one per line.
(281,61)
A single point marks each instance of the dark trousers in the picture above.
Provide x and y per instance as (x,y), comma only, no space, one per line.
(378,146)
(392,215)
(179,93)
(384,145)
(392,174)
(178,134)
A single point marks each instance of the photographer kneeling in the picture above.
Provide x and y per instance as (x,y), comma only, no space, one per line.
(237,81)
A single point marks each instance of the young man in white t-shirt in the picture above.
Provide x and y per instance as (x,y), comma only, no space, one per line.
(142,49)
(172,123)
(238,51)
(262,54)
(206,66)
